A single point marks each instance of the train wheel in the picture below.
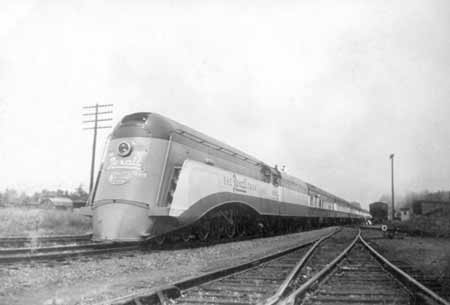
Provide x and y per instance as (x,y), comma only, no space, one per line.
(160,239)
(228,223)
(240,230)
(230,230)
(186,236)
(260,228)
(203,232)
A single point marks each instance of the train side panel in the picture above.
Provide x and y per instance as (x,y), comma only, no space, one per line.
(180,150)
(198,181)
(201,188)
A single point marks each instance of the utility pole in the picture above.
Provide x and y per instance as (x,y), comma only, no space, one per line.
(93,110)
(392,186)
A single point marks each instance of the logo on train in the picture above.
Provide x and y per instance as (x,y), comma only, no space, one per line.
(240,186)
(122,170)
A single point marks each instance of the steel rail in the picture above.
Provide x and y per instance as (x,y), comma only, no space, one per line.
(404,275)
(73,251)
(48,238)
(290,300)
(162,294)
(31,250)
(275,298)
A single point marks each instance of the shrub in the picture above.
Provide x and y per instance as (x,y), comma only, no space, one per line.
(435,226)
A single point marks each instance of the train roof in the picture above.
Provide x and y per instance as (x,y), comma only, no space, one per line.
(378,203)
(322,192)
(150,124)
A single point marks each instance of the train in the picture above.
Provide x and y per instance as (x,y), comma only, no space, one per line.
(159,177)
(379,212)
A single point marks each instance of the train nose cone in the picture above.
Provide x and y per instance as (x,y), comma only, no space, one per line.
(118,221)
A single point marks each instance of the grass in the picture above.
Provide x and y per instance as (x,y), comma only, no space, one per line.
(23,221)
(432,226)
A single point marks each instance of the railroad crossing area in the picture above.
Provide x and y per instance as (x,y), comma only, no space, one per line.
(333,265)
(340,267)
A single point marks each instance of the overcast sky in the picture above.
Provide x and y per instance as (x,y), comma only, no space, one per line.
(327,88)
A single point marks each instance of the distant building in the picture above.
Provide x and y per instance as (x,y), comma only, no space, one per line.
(61,203)
(79,203)
(356,204)
(430,207)
(405,214)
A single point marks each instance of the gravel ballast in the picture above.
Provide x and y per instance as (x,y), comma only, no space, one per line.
(426,258)
(97,280)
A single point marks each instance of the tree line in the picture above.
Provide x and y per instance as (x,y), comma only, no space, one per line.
(406,201)
(11,196)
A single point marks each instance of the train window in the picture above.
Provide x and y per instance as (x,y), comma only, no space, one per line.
(173,184)
(276,180)
(265,171)
(135,119)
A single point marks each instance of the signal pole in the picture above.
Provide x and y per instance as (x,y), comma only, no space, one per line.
(93,110)
(392,186)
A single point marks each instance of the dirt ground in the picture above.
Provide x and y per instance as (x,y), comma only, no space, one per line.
(427,258)
(97,280)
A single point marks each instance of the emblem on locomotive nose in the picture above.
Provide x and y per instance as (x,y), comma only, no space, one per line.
(124,149)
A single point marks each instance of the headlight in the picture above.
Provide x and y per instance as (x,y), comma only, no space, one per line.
(124,149)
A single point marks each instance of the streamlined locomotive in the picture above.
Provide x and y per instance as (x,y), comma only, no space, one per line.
(159,176)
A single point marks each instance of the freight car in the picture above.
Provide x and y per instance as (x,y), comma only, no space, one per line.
(159,176)
(379,212)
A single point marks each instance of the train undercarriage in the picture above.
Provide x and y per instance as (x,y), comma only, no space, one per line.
(233,221)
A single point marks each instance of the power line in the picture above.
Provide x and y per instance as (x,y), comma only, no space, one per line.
(97,120)
(94,111)
(98,106)
(103,112)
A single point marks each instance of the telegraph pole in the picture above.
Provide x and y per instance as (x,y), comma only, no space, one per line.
(392,185)
(93,110)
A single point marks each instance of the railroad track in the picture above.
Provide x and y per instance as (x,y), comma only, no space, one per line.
(8,256)
(253,281)
(23,241)
(429,280)
(47,248)
(56,248)
(360,279)
(360,275)
(340,268)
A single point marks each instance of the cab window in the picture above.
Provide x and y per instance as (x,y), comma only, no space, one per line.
(173,184)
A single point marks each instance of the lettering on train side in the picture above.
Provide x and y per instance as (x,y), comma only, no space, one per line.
(122,177)
(239,185)
(135,162)
(123,169)
(119,177)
